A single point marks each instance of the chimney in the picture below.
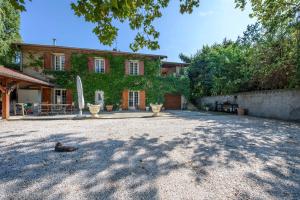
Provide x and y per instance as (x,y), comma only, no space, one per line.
(54,41)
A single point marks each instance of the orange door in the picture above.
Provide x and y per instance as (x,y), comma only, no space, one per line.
(46,95)
(172,101)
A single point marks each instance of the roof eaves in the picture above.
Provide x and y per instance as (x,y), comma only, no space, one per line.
(16,75)
(88,49)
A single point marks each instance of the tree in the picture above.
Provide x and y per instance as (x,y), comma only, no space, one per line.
(9,28)
(272,14)
(277,18)
(140,14)
(185,58)
(252,35)
(258,60)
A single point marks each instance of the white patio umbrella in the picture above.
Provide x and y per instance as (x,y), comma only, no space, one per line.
(80,95)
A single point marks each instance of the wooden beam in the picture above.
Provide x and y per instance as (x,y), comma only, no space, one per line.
(6,90)
(5,105)
(2,89)
(11,88)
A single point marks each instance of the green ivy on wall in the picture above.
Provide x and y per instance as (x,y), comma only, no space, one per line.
(114,82)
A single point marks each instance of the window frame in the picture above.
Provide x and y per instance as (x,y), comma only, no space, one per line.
(17,59)
(95,66)
(61,94)
(178,70)
(135,99)
(62,62)
(137,66)
(97,93)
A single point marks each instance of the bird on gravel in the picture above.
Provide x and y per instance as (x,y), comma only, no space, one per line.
(60,148)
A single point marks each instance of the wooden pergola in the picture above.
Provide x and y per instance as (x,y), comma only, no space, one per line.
(9,79)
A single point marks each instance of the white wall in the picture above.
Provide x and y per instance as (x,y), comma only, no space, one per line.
(29,96)
(279,104)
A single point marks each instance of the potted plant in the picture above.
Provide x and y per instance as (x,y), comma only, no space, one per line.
(94,109)
(147,108)
(206,107)
(156,109)
(241,111)
(109,105)
(118,107)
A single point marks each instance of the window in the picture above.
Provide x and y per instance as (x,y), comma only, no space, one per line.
(59,62)
(133,100)
(133,67)
(99,65)
(17,58)
(60,96)
(99,98)
(178,70)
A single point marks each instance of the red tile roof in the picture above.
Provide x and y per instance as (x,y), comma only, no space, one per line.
(166,64)
(91,50)
(18,76)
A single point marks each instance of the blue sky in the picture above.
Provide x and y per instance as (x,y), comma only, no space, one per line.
(208,24)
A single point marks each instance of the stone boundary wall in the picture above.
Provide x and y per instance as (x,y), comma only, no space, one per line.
(278,104)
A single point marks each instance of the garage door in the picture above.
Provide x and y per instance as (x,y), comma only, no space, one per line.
(172,101)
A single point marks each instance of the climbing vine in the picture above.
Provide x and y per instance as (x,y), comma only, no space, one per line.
(34,60)
(114,82)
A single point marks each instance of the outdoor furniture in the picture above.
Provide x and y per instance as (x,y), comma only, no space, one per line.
(28,108)
(19,108)
(24,108)
(241,111)
(226,107)
(55,109)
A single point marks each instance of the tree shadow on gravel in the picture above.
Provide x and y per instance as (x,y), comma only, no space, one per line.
(100,169)
(34,170)
(232,141)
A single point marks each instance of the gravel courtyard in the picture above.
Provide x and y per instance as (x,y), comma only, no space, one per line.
(187,155)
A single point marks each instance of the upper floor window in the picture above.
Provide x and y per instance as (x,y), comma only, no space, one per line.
(99,65)
(17,58)
(59,62)
(134,67)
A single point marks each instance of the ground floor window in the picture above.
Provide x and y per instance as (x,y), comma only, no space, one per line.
(60,96)
(133,100)
(99,98)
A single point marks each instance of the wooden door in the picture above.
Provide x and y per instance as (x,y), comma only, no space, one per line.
(46,95)
(172,101)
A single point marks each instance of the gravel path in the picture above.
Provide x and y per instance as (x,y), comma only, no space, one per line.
(188,155)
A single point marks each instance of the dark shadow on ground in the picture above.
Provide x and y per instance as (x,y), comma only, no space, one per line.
(247,140)
(137,162)
(107,165)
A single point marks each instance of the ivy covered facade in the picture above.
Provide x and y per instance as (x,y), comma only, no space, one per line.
(125,80)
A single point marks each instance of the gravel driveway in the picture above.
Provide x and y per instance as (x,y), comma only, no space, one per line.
(188,155)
